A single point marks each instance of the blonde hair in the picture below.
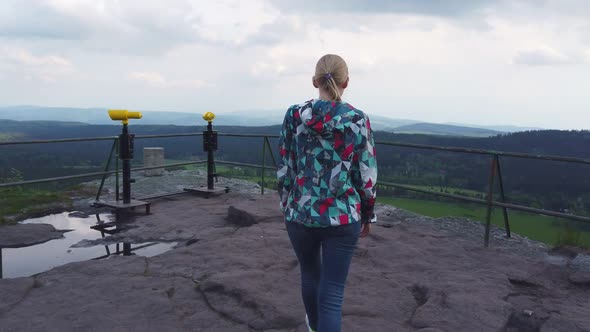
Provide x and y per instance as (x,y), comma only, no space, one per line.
(331,72)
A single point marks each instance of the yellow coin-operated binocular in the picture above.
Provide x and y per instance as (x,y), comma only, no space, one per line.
(124,115)
(209,116)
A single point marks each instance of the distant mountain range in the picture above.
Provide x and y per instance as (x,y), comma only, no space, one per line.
(244,118)
(445,129)
(502,128)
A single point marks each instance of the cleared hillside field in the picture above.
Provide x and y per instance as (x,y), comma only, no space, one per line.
(546,229)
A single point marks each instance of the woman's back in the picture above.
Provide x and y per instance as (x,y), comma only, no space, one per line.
(332,156)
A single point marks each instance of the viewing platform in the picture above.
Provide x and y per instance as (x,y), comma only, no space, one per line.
(239,273)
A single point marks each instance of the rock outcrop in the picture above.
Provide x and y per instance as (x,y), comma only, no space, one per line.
(412,274)
(24,235)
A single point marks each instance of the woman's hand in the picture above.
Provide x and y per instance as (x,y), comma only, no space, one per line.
(366,228)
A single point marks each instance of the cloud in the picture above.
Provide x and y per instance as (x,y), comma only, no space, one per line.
(423,7)
(424,56)
(541,57)
(48,67)
(138,27)
(230,21)
(25,19)
(157,80)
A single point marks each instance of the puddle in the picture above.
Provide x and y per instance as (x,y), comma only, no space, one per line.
(27,261)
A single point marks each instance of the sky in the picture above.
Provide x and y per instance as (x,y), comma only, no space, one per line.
(487,62)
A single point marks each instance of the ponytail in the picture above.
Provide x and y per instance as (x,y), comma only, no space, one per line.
(331,86)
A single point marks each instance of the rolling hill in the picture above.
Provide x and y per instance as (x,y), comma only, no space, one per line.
(249,118)
(443,129)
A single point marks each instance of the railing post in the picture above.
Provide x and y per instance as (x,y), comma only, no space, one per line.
(274,161)
(490,201)
(263,164)
(502,196)
(106,169)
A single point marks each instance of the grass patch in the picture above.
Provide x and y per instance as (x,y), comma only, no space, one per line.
(24,202)
(546,229)
(452,190)
(4,137)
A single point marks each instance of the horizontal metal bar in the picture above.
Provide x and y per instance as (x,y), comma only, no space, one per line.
(436,147)
(487,152)
(545,157)
(105,138)
(389,143)
(120,252)
(59,140)
(59,178)
(173,193)
(494,203)
(184,163)
(169,135)
(243,164)
(90,139)
(425,191)
(87,175)
(247,135)
(544,212)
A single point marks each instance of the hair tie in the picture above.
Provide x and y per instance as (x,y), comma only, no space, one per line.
(327,76)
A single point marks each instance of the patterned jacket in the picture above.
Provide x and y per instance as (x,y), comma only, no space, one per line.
(328,170)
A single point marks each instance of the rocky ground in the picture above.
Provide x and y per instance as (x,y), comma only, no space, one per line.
(234,270)
(16,236)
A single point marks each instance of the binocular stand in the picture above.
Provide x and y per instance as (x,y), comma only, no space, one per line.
(209,145)
(126,155)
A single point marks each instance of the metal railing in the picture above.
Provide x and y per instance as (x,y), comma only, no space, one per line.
(489,202)
(106,172)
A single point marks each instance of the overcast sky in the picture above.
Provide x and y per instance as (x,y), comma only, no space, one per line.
(471,61)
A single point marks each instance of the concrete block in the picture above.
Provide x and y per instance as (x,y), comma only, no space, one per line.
(153,157)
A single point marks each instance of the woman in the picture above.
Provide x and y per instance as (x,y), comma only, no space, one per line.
(326,182)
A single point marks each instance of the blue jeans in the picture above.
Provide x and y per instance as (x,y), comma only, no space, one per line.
(323,272)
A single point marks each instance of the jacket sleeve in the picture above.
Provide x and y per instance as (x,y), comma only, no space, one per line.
(364,170)
(286,168)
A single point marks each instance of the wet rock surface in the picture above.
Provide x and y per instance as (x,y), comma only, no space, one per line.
(24,235)
(412,274)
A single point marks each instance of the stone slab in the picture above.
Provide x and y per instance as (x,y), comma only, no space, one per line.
(24,235)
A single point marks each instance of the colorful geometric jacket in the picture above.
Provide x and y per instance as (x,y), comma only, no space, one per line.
(328,170)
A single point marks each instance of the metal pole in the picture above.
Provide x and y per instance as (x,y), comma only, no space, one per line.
(125,154)
(263,164)
(126,181)
(1,271)
(210,161)
(106,168)
(117,171)
(126,249)
(489,203)
(502,196)
(274,161)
